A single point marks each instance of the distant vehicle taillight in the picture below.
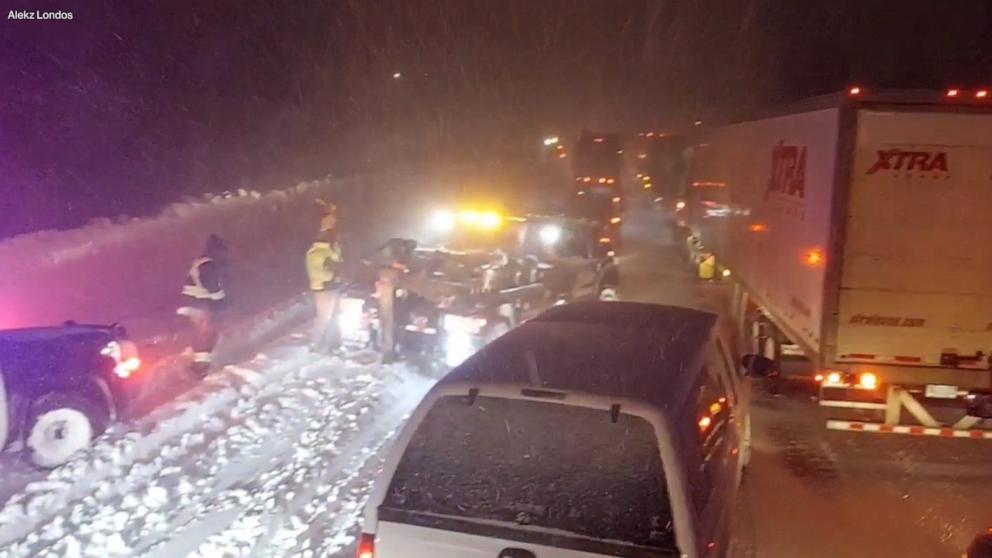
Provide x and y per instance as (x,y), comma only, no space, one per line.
(366,546)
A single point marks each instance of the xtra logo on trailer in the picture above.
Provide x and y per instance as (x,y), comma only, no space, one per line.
(788,171)
(922,161)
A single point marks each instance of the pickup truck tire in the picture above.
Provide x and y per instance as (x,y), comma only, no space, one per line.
(59,426)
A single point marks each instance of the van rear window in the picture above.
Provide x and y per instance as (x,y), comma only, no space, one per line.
(546,466)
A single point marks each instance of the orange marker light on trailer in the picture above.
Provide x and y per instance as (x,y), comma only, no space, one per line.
(757,227)
(814,257)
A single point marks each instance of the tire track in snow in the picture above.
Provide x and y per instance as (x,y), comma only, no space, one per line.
(137,509)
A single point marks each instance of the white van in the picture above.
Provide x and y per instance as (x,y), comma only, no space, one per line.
(595,429)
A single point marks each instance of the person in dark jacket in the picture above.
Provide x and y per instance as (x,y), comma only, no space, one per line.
(204,297)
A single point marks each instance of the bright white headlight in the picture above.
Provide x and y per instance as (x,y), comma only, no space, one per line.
(550,234)
(457,348)
(442,221)
(350,316)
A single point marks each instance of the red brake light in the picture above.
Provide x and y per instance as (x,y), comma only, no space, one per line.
(981,94)
(366,546)
(854,91)
(953,92)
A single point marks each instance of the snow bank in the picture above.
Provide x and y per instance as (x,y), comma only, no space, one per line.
(126,269)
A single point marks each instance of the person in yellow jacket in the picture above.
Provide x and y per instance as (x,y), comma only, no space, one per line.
(323,263)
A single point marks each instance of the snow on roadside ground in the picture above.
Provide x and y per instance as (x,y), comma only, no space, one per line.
(261,460)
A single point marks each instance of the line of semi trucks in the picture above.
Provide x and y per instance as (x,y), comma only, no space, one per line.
(855,230)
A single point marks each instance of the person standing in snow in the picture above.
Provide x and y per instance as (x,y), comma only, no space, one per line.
(328,215)
(323,264)
(205,295)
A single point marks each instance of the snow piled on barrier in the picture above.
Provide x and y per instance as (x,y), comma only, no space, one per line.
(113,270)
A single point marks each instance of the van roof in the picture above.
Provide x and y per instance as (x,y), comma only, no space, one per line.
(625,350)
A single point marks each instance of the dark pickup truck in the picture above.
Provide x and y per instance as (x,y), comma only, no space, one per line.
(61,386)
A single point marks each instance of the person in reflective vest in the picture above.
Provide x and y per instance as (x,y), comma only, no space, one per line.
(204,297)
(323,263)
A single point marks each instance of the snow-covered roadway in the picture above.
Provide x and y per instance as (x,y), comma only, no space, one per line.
(268,458)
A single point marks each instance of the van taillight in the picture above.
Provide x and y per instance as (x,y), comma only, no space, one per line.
(366,546)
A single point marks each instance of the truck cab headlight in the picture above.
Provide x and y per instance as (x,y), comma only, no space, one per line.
(550,234)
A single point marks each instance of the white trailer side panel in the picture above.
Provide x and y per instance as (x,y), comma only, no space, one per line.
(917,267)
(771,225)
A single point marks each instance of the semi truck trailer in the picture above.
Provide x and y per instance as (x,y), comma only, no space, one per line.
(856,230)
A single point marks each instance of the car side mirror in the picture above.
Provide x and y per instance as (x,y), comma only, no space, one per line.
(757,365)
(981,546)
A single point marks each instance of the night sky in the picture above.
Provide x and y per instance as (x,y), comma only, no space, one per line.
(131,105)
